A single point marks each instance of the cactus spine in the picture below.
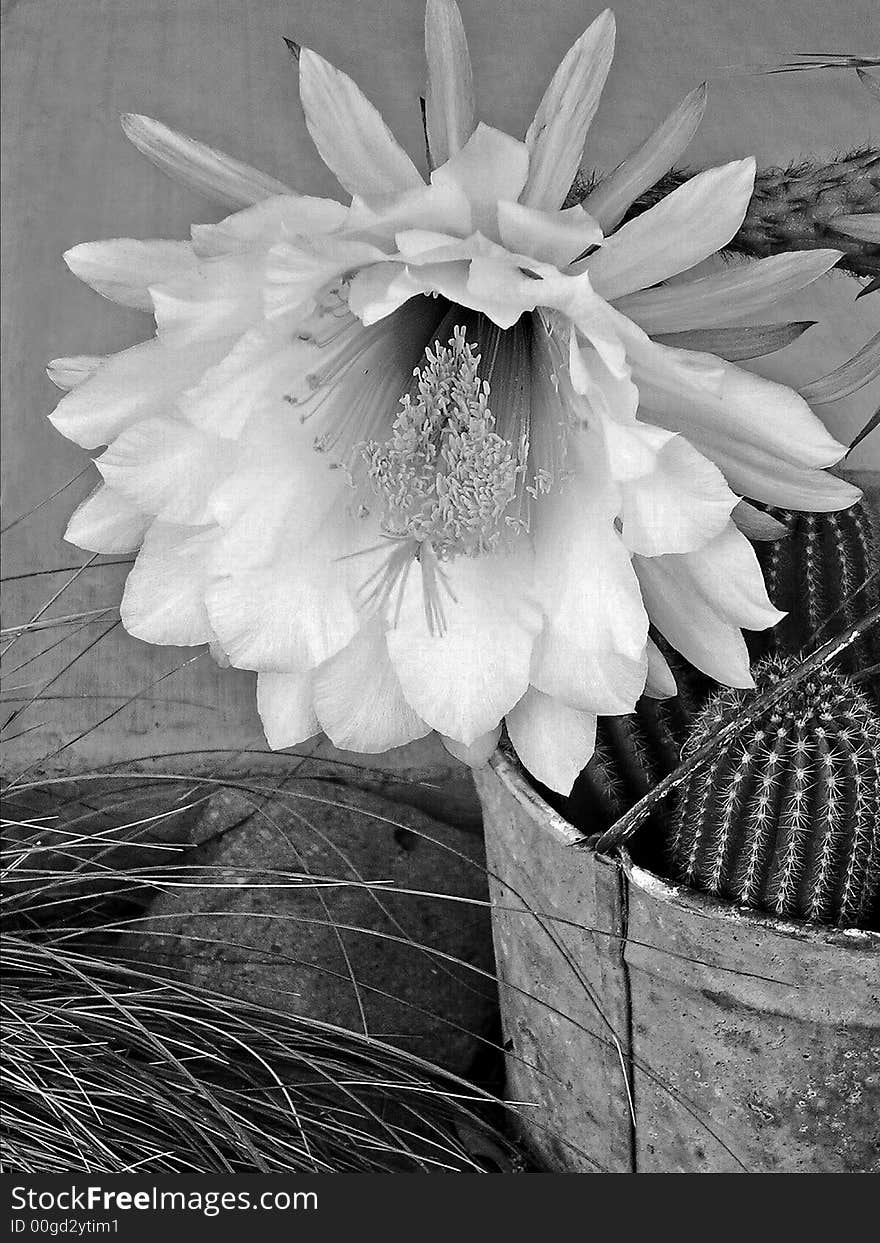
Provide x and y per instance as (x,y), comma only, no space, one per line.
(788,818)
(823,575)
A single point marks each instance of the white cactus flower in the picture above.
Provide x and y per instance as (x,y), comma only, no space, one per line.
(416,458)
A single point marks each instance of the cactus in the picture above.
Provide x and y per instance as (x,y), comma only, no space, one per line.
(821,574)
(787,819)
(811,205)
(807,205)
(634,752)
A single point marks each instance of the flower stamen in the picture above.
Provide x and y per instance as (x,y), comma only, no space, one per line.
(445,478)
(445,475)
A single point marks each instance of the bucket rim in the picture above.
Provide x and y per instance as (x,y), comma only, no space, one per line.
(515,780)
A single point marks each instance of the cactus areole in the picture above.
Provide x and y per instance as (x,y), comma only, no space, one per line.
(787,819)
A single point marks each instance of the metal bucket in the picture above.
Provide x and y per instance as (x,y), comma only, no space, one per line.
(649,1028)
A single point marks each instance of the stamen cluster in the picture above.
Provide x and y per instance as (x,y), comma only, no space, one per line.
(445,475)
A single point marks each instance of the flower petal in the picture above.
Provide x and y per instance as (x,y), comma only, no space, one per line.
(756,524)
(740,343)
(462,681)
(728,296)
(449,104)
(259,506)
(633,449)
(164,597)
(123,269)
(495,288)
(587,672)
(284,702)
(660,682)
(166,468)
(296,274)
(273,220)
(591,654)
(107,522)
(490,166)
(556,136)
(575,297)
(698,601)
(700,393)
(616,193)
(553,741)
(726,572)
(677,507)
(352,139)
(762,475)
(222,298)
(134,384)
(358,698)
(438,206)
(287,616)
(208,172)
(260,368)
(380,289)
(689,623)
(556,237)
(611,399)
(67,373)
(476,754)
(684,228)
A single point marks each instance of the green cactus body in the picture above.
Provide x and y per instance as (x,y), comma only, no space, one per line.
(787,819)
(824,574)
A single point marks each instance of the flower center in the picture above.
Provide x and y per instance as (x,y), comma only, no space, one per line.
(445,475)
(464,461)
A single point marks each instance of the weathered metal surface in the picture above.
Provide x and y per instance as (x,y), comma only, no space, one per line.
(750,1044)
(557,925)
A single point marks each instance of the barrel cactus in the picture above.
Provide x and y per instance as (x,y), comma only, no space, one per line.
(823,574)
(787,819)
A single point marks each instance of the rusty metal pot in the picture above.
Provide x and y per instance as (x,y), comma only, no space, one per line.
(650,1028)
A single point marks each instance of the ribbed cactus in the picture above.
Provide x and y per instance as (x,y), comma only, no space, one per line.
(821,574)
(787,819)
(634,752)
(815,203)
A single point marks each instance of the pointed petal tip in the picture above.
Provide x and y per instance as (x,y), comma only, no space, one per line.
(603,29)
(349,133)
(69,256)
(449,108)
(437,8)
(607,18)
(478,752)
(66,373)
(131,122)
(696,99)
(556,136)
(747,167)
